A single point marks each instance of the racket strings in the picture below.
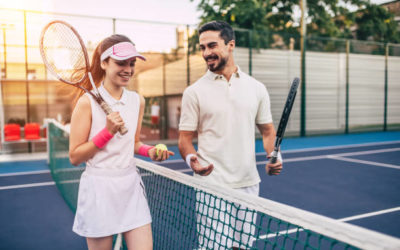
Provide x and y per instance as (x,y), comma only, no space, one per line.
(64,53)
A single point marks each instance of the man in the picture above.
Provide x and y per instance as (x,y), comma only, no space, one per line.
(223,107)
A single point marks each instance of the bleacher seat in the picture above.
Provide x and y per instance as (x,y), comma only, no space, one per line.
(32,131)
(12,132)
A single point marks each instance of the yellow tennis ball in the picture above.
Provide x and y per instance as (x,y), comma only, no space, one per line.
(160,148)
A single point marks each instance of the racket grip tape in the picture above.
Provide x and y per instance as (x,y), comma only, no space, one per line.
(122,130)
(274,157)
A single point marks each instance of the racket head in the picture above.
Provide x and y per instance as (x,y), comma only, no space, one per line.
(64,53)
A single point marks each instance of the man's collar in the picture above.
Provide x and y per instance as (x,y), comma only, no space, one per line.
(215,76)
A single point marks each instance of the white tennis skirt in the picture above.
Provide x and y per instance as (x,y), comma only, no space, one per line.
(110,201)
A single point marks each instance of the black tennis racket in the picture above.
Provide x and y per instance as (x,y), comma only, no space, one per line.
(284,119)
(65,56)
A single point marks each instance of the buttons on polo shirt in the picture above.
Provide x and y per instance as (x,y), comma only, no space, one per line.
(218,77)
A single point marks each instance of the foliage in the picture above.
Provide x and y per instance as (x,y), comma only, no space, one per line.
(377,24)
(327,18)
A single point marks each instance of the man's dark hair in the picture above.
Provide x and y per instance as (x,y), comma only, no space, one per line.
(226,31)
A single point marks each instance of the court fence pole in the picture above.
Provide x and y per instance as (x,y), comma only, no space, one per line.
(303,49)
(386,88)
(28,113)
(164,109)
(188,57)
(346,130)
(5,52)
(250,32)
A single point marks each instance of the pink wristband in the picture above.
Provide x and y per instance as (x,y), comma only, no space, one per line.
(102,138)
(144,150)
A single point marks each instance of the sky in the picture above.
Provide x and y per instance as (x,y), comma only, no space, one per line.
(173,11)
(147,36)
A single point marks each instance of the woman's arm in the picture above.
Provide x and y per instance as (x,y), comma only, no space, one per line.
(80,149)
(163,155)
(138,143)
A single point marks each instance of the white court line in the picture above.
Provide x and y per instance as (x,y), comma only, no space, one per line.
(364,162)
(334,147)
(184,170)
(361,216)
(169,161)
(41,156)
(296,159)
(306,158)
(346,219)
(28,185)
(330,156)
(23,157)
(314,149)
(26,173)
(376,151)
(40,184)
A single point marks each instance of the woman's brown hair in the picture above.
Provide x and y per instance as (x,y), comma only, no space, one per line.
(95,66)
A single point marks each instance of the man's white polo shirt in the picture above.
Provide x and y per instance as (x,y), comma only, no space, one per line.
(224,114)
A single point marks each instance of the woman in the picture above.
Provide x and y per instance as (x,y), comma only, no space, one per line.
(111,196)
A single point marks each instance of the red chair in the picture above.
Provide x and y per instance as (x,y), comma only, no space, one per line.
(12,132)
(32,131)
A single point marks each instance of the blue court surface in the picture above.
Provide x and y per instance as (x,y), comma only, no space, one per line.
(352,178)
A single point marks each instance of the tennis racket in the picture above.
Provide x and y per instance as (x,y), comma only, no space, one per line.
(284,119)
(65,56)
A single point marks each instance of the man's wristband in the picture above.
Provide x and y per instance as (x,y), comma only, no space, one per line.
(188,159)
(278,156)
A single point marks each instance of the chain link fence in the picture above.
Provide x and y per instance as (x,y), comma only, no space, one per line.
(349,85)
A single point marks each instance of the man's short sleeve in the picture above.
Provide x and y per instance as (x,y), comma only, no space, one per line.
(189,111)
(264,115)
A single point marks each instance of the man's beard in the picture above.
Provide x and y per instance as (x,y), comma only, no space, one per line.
(219,66)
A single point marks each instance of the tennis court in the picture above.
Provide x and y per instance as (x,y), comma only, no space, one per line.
(351,178)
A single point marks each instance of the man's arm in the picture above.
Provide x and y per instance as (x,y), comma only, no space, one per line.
(186,148)
(268,135)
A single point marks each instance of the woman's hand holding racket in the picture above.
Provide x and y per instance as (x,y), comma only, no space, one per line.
(114,122)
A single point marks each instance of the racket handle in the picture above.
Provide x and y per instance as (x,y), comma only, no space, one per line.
(274,157)
(122,130)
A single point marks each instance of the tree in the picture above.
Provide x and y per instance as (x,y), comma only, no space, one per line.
(328,18)
(377,24)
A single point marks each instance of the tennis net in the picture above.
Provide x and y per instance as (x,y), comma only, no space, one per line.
(180,204)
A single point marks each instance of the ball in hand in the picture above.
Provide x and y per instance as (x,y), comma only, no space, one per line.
(160,148)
